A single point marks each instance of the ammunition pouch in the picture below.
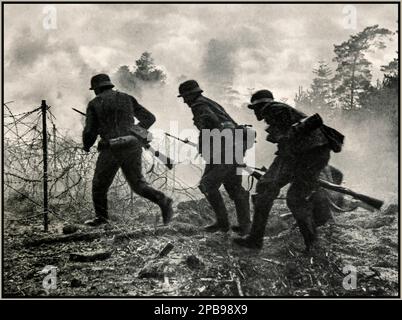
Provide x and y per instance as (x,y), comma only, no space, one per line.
(141,133)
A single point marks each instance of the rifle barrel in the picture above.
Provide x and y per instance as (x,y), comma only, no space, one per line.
(181,140)
(375,203)
(79,111)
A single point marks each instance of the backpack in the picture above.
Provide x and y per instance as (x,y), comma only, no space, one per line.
(334,137)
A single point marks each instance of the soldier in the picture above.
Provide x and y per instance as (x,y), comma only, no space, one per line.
(299,161)
(208,114)
(111,115)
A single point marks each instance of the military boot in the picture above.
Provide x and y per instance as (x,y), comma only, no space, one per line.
(254,240)
(249,242)
(222,223)
(159,198)
(100,204)
(167,210)
(96,222)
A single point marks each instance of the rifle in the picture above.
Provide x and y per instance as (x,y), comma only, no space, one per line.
(190,143)
(142,134)
(254,172)
(372,202)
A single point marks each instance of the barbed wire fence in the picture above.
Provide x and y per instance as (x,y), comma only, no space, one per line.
(70,172)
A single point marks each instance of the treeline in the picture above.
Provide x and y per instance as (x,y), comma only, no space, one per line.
(347,92)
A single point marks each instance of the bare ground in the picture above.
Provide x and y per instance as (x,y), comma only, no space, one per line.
(202,264)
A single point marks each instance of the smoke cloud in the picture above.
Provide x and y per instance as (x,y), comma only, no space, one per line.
(231,50)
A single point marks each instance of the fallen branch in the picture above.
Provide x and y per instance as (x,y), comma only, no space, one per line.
(90,256)
(118,235)
(238,284)
(236,280)
(79,236)
(165,251)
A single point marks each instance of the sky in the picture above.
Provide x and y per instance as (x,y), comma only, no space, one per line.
(51,51)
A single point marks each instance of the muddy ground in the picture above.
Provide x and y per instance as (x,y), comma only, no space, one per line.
(200,264)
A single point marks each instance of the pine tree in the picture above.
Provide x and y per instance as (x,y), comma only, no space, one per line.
(320,90)
(302,101)
(353,73)
(391,73)
(146,70)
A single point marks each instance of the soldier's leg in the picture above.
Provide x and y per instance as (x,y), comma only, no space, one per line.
(105,171)
(300,198)
(210,182)
(268,188)
(240,197)
(321,207)
(132,170)
(300,203)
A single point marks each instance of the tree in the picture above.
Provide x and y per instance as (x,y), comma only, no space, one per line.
(125,78)
(319,96)
(382,101)
(147,71)
(302,100)
(353,73)
(391,73)
(321,88)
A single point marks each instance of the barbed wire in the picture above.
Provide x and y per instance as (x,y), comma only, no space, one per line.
(70,170)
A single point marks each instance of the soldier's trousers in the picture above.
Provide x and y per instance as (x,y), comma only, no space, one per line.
(302,173)
(107,165)
(214,176)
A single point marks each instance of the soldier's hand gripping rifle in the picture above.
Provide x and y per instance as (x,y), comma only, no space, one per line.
(143,136)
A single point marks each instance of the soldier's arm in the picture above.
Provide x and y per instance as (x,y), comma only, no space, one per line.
(282,115)
(205,118)
(146,118)
(91,128)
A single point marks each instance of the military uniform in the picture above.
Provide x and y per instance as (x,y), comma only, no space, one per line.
(111,114)
(207,114)
(299,161)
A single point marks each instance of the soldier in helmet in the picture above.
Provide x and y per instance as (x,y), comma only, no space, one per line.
(207,114)
(299,161)
(111,115)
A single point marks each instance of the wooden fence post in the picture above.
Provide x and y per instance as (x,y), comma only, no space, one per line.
(45,178)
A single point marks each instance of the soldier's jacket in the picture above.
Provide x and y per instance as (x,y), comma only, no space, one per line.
(208,114)
(280,117)
(111,114)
